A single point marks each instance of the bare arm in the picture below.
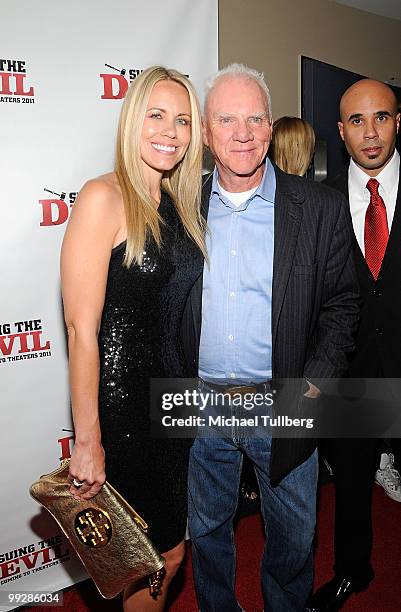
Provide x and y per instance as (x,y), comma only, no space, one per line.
(85,255)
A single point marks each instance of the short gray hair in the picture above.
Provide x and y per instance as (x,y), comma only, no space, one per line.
(237,70)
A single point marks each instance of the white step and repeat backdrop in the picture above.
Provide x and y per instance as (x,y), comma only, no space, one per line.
(64,70)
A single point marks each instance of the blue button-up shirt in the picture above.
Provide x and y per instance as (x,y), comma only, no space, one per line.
(236,338)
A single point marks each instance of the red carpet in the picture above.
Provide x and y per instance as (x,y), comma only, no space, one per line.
(384,595)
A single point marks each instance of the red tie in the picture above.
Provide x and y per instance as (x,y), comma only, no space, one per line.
(376,229)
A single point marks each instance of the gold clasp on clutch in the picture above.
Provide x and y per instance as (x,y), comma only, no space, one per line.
(93,527)
(156,582)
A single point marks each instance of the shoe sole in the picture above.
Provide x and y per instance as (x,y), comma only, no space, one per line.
(388,493)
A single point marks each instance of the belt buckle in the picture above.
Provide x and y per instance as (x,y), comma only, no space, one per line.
(240,390)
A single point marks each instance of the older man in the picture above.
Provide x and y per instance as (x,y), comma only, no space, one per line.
(369,123)
(277,300)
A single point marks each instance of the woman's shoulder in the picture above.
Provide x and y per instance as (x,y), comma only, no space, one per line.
(102,194)
(99,204)
(103,188)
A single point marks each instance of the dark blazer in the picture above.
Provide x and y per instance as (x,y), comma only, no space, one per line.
(378,338)
(314,298)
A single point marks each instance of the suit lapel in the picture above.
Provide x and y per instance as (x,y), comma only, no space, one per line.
(395,233)
(341,183)
(287,220)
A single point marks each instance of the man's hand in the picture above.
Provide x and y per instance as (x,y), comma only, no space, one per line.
(313,392)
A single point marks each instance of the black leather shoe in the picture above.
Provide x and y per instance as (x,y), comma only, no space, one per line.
(331,596)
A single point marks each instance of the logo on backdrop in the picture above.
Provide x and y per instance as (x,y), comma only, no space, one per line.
(56,210)
(32,558)
(115,82)
(66,443)
(14,82)
(23,340)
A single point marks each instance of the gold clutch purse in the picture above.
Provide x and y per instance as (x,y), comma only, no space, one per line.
(106,533)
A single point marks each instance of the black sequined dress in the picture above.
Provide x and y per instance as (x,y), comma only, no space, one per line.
(139,338)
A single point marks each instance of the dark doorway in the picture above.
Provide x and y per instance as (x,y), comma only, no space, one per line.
(322,88)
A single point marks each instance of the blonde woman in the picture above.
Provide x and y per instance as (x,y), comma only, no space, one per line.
(132,251)
(293,145)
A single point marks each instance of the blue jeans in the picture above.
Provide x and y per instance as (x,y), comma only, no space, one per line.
(289,514)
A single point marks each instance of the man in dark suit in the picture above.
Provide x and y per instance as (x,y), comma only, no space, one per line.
(369,125)
(278,300)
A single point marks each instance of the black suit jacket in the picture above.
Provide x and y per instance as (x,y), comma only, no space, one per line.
(378,338)
(314,297)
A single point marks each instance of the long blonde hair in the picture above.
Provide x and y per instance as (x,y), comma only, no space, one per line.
(182,183)
(293,145)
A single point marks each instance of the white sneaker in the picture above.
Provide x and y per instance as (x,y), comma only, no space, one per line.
(388,477)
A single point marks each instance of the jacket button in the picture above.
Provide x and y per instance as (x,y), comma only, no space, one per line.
(379,331)
(377,292)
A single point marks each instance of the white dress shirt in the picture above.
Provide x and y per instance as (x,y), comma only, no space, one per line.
(359,196)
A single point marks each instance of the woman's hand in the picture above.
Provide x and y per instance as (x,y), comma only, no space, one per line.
(87,467)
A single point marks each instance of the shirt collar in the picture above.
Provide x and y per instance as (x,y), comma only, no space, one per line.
(388,177)
(266,189)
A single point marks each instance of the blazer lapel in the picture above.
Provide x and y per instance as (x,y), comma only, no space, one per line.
(206,191)
(196,293)
(341,183)
(287,220)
